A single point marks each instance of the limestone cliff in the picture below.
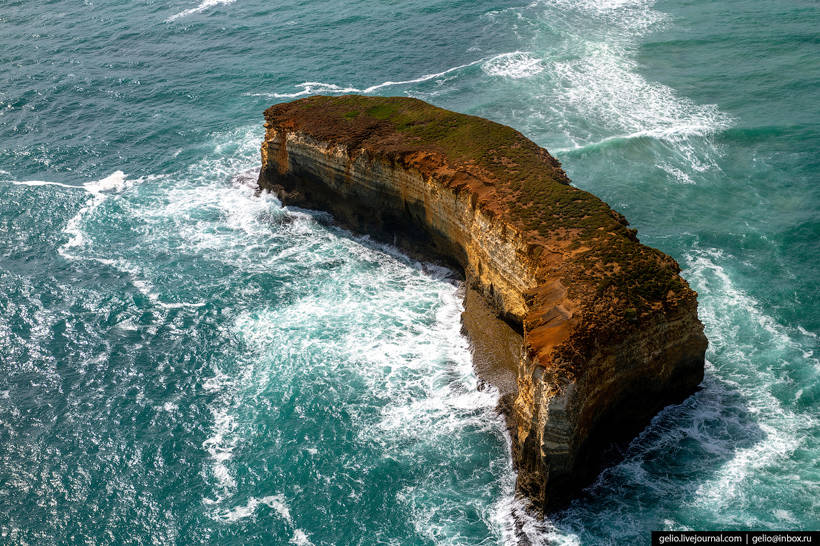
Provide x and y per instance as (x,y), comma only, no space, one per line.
(608,329)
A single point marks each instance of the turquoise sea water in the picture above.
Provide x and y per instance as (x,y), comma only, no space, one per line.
(182,361)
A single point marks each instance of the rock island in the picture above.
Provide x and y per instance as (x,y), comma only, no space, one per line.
(586,332)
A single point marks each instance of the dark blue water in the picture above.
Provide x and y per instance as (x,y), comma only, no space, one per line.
(182,361)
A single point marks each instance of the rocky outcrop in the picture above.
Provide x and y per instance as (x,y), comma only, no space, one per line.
(599,331)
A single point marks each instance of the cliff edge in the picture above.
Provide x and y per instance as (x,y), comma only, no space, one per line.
(608,330)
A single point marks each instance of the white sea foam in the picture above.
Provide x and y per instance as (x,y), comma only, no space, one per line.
(806,332)
(515,65)
(205,5)
(620,7)
(782,429)
(585,87)
(785,516)
(451,394)
(674,133)
(177,203)
(114,181)
(43,183)
(679,174)
(300,538)
(705,267)
(395,328)
(497,63)
(188,214)
(276,502)
(604,85)
(221,445)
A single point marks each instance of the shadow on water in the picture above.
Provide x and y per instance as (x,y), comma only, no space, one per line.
(662,470)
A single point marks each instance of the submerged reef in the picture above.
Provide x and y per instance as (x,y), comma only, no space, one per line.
(586,332)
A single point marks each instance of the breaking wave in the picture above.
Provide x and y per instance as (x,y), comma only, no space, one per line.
(203,6)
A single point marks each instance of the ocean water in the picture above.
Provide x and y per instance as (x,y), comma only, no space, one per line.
(183,361)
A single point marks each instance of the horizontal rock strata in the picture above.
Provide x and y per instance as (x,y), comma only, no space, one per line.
(599,331)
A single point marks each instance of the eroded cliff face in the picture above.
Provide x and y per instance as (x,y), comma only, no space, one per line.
(608,331)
